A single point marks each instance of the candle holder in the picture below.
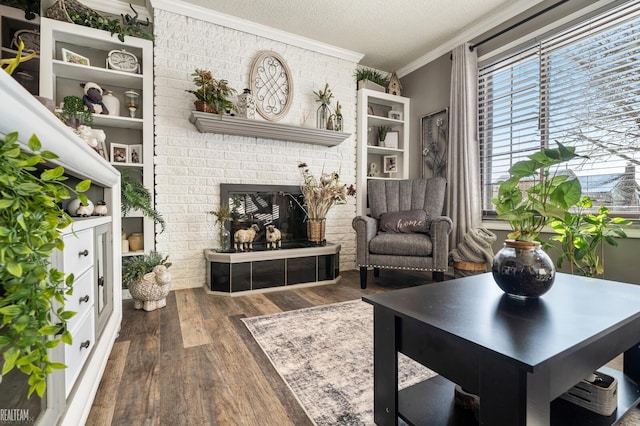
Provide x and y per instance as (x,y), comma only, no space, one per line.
(131,99)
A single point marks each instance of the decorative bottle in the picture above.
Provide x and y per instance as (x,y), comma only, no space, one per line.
(247,104)
(111,102)
(225,238)
(322,116)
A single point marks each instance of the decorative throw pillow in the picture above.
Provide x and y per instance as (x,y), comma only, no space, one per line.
(407,221)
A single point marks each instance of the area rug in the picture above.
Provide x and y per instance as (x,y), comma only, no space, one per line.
(325,355)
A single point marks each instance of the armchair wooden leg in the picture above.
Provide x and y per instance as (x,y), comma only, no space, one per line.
(376,272)
(363,277)
(438,276)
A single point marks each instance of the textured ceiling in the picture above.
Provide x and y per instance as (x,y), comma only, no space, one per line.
(390,33)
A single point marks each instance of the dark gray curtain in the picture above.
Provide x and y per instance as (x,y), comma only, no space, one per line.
(463,174)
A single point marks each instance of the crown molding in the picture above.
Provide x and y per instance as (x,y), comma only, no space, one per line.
(473,31)
(197,12)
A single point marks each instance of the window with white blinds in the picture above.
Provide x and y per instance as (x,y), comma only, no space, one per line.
(580,87)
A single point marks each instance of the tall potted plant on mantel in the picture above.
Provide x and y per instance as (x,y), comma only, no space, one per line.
(529,200)
(320,195)
(212,95)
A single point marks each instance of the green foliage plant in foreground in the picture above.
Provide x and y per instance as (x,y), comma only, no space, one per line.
(31,221)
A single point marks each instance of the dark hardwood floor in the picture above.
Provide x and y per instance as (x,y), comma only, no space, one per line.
(194,362)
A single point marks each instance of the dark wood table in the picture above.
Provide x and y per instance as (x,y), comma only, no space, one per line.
(517,355)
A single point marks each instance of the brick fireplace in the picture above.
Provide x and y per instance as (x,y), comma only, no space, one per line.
(191,166)
(297,263)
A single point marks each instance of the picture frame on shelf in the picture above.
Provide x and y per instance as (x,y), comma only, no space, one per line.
(74,58)
(135,154)
(370,110)
(395,115)
(390,163)
(391,141)
(119,153)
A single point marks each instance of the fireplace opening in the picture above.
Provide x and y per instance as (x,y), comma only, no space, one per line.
(263,205)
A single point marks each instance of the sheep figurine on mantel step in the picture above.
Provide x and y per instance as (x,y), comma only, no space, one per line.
(273,237)
(243,238)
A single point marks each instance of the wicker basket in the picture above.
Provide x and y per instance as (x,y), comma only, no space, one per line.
(467,269)
(315,230)
(61,8)
(600,396)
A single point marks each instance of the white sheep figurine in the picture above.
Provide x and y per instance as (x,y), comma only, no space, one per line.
(243,238)
(273,237)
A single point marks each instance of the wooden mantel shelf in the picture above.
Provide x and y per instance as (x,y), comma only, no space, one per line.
(212,123)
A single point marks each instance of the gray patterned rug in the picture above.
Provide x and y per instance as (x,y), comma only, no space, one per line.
(325,355)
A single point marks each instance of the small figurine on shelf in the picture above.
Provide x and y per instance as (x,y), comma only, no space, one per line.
(93,98)
(100,209)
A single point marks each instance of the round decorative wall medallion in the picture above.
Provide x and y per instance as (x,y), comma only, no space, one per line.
(272,85)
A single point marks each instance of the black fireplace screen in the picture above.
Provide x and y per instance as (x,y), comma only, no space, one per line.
(263,205)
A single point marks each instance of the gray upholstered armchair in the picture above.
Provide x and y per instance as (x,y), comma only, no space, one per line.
(406,229)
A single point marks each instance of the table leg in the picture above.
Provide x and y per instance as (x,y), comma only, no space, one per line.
(510,396)
(385,368)
(631,362)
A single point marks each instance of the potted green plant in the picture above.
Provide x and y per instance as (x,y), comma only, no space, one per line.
(148,280)
(382,134)
(31,221)
(125,25)
(368,78)
(582,236)
(212,95)
(136,196)
(530,199)
(74,113)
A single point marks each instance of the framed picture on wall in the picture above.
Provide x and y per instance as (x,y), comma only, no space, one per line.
(390,163)
(135,154)
(434,129)
(119,153)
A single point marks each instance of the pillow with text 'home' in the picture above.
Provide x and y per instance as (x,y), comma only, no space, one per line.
(407,221)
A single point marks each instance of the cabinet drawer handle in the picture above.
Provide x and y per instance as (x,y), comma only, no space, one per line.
(85,344)
(85,298)
(101,281)
(84,253)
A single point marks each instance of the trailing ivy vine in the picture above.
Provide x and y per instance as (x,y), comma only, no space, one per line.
(114,26)
(31,221)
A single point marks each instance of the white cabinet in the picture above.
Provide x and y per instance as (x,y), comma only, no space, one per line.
(375,160)
(133,135)
(70,392)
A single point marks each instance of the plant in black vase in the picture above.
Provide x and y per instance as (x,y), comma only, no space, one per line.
(530,199)
(74,112)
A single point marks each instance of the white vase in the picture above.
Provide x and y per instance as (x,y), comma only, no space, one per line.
(111,102)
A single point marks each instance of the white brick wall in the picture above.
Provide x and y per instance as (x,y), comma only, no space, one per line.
(190,166)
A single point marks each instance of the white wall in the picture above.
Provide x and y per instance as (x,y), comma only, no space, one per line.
(190,166)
